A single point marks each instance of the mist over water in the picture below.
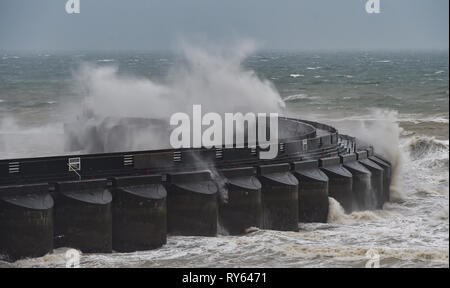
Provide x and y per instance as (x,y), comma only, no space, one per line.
(396,101)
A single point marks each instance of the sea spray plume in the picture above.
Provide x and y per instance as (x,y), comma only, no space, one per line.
(106,93)
(216,80)
(379,129)
(17,140)
(337,214)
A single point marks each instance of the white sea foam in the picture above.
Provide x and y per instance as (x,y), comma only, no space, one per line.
(418,118)
(295,97)
(437,119)
(423,147)
(338,215)
(10,57)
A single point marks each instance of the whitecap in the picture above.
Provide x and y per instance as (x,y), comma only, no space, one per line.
(106,60)
(436,119)
(295,97)
(296,75)
(383,61)
(422,146)
(417,119)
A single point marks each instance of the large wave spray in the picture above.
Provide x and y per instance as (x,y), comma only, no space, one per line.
(380,129)
(216,79)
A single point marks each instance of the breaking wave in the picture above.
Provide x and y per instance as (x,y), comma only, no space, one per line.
(292,98)
(421,147)
(337,214)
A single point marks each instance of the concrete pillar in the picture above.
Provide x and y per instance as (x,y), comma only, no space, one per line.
(363,195)
(279,197)
(340,184)
(387,175)
(192,204)
(377,178)
(242,208)
(312,192)
(139,213)
(26,221)
(83,218)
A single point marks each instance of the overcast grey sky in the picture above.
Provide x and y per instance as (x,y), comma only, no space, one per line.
(281,24)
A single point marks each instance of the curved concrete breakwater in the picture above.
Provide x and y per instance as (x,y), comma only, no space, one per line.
(131,201)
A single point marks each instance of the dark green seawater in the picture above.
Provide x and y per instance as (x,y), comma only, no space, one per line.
(413,83)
